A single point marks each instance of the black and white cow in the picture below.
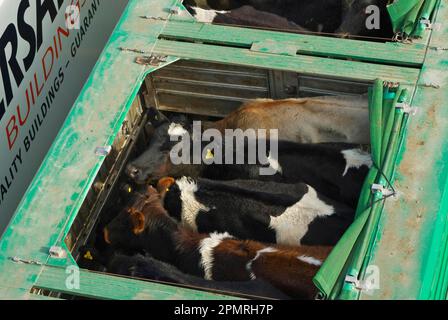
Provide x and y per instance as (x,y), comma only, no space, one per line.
(288,214)
(335,170)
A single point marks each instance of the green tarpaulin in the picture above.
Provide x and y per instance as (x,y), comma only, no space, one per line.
(407,16)
(351,255)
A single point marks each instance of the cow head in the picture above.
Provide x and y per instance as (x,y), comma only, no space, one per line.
(155,162)
(143,225)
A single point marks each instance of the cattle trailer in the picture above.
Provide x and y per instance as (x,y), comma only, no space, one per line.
(158,55)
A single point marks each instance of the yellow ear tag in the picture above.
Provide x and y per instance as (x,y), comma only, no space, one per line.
(129,190)
(209,155)
(88,256)
(167,189)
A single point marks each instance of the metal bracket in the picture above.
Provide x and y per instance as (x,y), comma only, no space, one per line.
(431,26)
(406,107)
(380,188)
(152,60)
(103,151)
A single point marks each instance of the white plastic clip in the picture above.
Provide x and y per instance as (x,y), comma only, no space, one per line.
(431,26)
(406,107)
(360,285)
(384,191)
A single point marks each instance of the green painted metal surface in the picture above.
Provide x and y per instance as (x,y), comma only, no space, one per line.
(410,245)
(388,53)
(101,286)
(309,65)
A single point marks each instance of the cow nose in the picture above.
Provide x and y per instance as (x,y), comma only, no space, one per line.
(106,236)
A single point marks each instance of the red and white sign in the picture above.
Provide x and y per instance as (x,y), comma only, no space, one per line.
(47,50)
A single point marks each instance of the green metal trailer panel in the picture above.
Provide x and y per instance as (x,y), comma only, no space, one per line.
(408,240)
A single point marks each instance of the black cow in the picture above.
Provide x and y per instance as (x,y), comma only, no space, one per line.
(289,214)
(357,20)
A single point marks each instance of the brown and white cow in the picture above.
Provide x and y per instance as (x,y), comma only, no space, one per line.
(216,256)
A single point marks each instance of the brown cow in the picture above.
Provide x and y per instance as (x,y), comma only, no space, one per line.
(305,120)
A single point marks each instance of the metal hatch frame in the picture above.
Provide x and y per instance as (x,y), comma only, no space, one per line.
(412,245)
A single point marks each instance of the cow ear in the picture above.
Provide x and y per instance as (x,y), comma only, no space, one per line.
(138,221)
(164,185)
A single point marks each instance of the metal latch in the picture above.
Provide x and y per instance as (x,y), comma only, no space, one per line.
(384,191)
(406,107)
